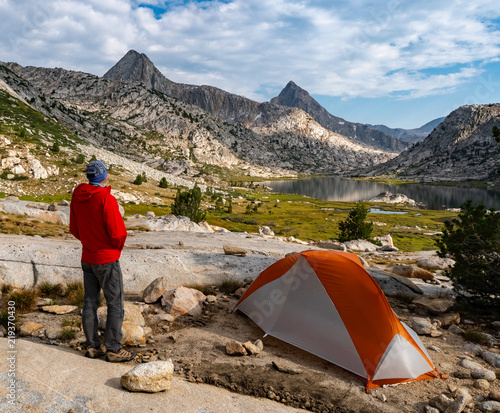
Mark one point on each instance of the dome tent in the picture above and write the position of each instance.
(326, 303)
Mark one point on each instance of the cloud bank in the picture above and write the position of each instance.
(346, 49)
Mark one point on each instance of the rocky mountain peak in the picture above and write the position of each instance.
(294, 96)
(137, 66)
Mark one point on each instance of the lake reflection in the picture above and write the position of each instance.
(340, 189)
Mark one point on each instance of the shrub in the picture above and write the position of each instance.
(55, 147)
(473, 241)
(163, 183)
(25, 299)
(80, 159)
(187, 203)
(138, 180)
(354, 226)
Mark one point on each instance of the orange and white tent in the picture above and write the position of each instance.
(326, 303)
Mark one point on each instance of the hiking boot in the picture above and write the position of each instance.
(94, 352)
(120, 356)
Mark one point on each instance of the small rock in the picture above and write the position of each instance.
(283, 369)
(441, 402)
(264, 230)
(64, 203)
(54, 207)
(150, 377)
(252, 349)
(132, 334)
(495, 395)
(259, 344)
(448, 319)
(471, 365)
(235, 348)
(455, 329)
(181, 243)
(182, 301)
(29, 327)
(463, 398)
(382, 397)
(462, 374)
(53, 333)
(43, 301)
(474, 349)
(59, 309)
(491, 358)
(150, 214)
(3, 331)
(430, 409)
(434, 348)
(229, 250)
(484, 374)
(496, 325)
(155, 290)
(490, 406)
(163, 317)
(211, 298)
(421, 325)
(482, 384)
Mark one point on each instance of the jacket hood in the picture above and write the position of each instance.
(84, 192)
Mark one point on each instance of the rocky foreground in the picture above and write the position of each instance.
(168, 319)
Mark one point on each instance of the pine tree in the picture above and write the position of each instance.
(187, 203)
(354, 227)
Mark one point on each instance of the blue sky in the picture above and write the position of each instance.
(400, 63)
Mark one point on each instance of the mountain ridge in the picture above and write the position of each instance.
(294, 96)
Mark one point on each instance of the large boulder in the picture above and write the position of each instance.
(361, 245)
(132, 315)
(152, 377)
(183, 300)
(410, 271)
(435, 305)
(394, 286)
(331, 245)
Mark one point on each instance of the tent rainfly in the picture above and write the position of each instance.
(326, 303)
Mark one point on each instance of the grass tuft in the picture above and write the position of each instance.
(75, 293)
(230, 286)
(67, 334)
(6, 289)
(50, 290)
(475, 336)
(205, 289)
(25, 299)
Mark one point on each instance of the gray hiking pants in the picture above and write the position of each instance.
(109, 278)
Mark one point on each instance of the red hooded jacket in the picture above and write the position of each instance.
(96, 221)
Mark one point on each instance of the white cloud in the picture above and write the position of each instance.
(346, 49)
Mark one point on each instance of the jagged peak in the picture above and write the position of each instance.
(131, 66)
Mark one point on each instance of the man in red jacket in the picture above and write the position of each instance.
(96, 221)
